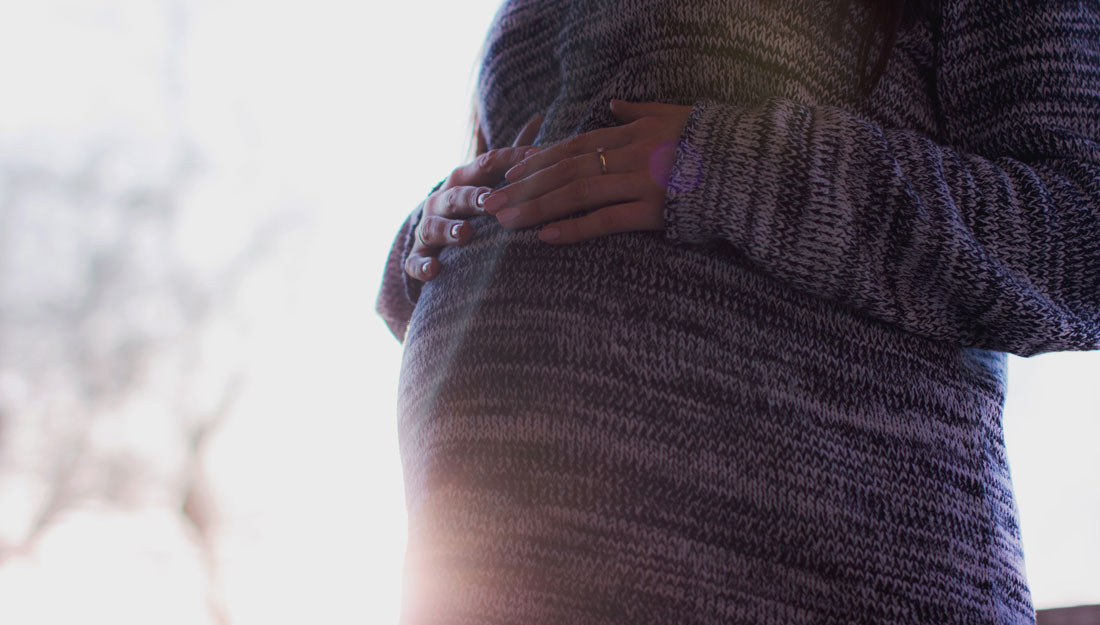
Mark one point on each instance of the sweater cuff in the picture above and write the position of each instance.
(722, 184)
(685, 221)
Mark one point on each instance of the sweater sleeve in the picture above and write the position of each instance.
(989, 240)
(398, 294)
(399, 291)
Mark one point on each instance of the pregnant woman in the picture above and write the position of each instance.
(730, 347)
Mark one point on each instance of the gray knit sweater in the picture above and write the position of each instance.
(785, 407)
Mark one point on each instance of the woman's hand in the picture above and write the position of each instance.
(442, 221)
(626, 188)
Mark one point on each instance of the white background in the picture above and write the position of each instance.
(207, 191)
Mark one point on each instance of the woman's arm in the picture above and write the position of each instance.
(992, 241)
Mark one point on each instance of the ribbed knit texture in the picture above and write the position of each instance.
(786, 407)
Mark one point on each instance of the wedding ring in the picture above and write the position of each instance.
(603, 161)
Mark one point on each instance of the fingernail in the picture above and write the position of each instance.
(531, 150)
(515, 171)
(496, 199)
(549, 234)
(508, 215)
(481, 200)
(425, 266)
(454, 231)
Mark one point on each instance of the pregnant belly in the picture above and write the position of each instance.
(627, 429)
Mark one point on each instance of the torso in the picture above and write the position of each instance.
(629, 430)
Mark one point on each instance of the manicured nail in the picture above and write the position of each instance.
(481, 200)
(549, 234)
(425, 266)
(454, 231)
(507, 215)
(515, 171)
(495, 200)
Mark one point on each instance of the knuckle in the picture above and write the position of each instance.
(438, 204)
(427, 230)
(484, 161)
(439, 231)
(579, 189)
(566, 168)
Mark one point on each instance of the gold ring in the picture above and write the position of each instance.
(603, 161)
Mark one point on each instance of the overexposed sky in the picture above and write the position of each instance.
(331, 120)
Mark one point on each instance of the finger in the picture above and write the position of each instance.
(459, 201)
(422, 267)
(633, 111)
(439, 231)
(581, 194)
(606, 138)
(529, 131)
(629, 217)
(563, 173)
(488, 168)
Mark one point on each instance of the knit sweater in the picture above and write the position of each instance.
(786, 406)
